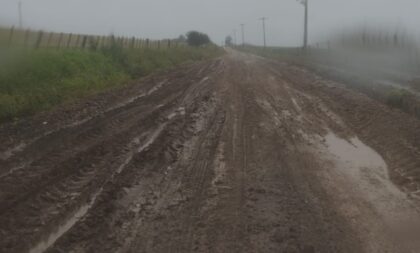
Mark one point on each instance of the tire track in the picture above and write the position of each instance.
(70, 171)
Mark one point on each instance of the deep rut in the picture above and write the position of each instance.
(237, 154)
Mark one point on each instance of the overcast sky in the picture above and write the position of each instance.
(157, 19)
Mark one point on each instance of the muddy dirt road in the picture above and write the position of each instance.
(238, 154)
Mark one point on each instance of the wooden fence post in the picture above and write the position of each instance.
(45, 41)
(77, 41)
(110, 41)
(59, 41)
(25, 43)
(92, 42)
(103, 38)
(69, 40)
(50, 35)
(95, 43)
(39, 39)
(84, 42)
(133, 41)
(12, 31)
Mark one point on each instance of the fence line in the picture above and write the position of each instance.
(12, 37)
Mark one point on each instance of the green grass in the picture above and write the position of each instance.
(272, 52)
(37, 80)
(396, 98)
(290, 54)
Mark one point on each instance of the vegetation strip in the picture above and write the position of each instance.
(37, 80)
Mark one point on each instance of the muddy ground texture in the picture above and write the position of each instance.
(237, 154)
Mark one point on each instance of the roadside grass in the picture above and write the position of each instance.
(291, 54)
(403, 100)
(37, 80)
(396, 98)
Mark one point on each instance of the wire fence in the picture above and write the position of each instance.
(27, 38)
(371, 39)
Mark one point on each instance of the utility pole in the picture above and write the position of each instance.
(243, 34)
(234, 37)
(20, 15)
(263, 19)
(305, 23)
(305, 35)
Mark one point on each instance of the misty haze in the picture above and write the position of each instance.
(209, 126)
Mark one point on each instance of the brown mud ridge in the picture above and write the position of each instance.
(238, 154)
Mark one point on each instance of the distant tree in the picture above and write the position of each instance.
(197, 39)
(182, 38)
(228, 40)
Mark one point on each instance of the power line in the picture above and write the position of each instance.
(263, 19)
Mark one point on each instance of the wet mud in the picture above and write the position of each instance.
(237, 154)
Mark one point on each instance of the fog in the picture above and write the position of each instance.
(158, 19)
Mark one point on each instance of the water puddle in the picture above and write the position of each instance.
(16, 168)
(179, 111)
(368, 170)
(83, 210)
(62, 229)
(356, 154)
(297, 106)
(204, 79)
(10, 152)
(157, 87)
(117, 106)
(219, 167)
(141, 148)
(367, 173)
(131, 100)
(137, 146)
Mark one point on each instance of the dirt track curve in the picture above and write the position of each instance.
(237, 154)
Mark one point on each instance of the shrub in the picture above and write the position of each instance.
(197, 39)
(228, 40)
(396, 98)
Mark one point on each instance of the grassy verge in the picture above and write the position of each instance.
(292, 54)
(361, 81)
(36, 80)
